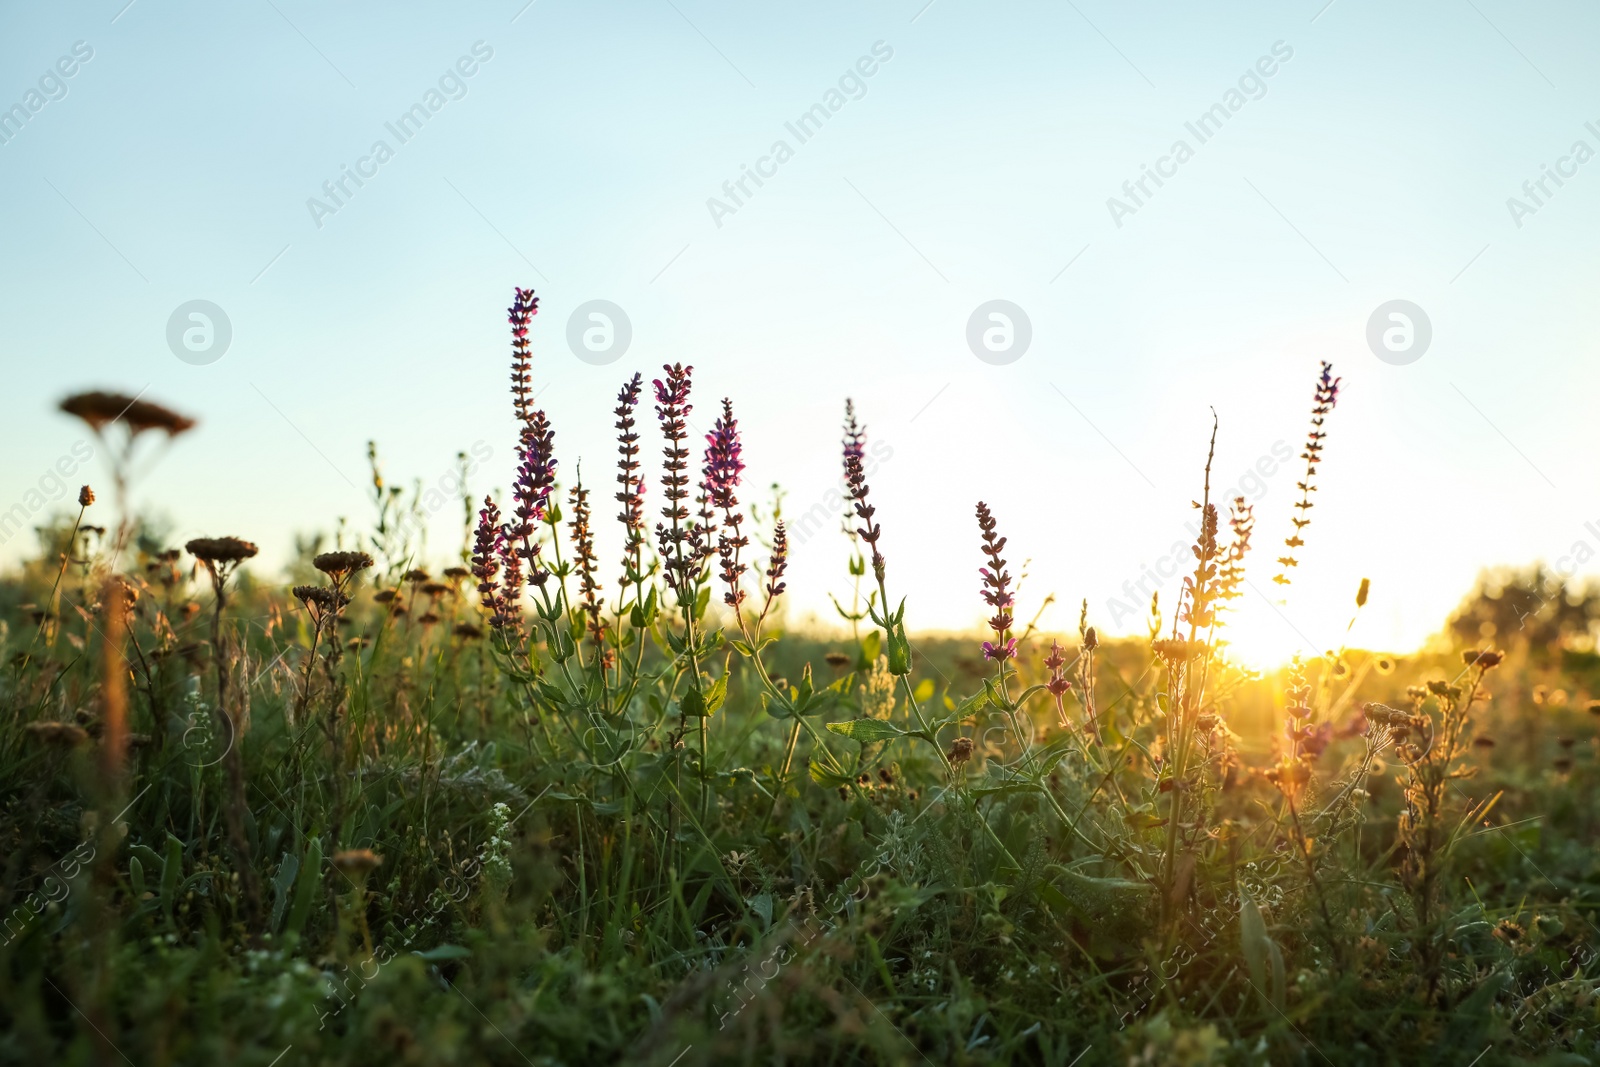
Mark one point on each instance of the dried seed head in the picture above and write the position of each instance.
(467, 631)
(1485, 659)
(837, 660)
(85, 497)
(416, 576)
(960, 751)
(58, 734)
(320, 597)
(220, 549)
(338, 564)
(100, 409)
(1176, 649)
(356, 862)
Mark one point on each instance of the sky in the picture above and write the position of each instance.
(1316, 163)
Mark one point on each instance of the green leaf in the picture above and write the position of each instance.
(281, 886)
(136, 876)
(717, 694)
(171, 871)
(866, 731)
(899, 648)
(1261, 955)
(822, 776)
(305, 891)
(693, 704)
(870, 646)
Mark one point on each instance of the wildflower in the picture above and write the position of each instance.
(995, 592)
(100, 409)
(780, 562)
(487, 552)
(584, 560)
(524, 306)
(536, 477)
(1323, 400)
(678, 547)
(1201, 587)
(416, 576)
(1485, 659)
(722, 469)
(960, 751)
(85, 497)
(877, 697)
(776, 565)
(855, 476)
(1054, 663)
(631, 494)
(1241, 520)
(1508, 931)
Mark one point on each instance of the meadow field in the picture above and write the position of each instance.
(520, 804)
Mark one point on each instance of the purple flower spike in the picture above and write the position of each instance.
(536, 476)
(996, 591)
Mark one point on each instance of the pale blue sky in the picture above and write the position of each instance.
(976, 165)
